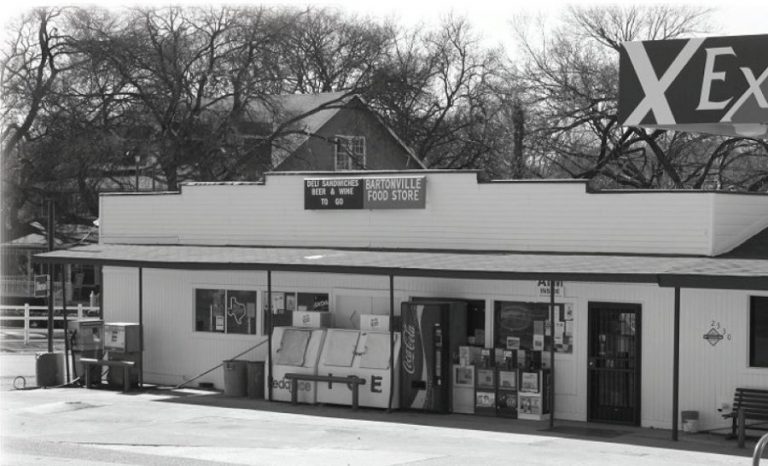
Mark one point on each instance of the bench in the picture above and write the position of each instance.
(126, 365)
(748, 404)
(352, 381)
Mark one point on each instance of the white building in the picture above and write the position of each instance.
(632, 260)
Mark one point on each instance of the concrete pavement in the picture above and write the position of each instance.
(164, 426)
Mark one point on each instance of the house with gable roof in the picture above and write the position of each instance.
(333, 131)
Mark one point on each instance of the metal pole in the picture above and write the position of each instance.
(269, 334)
(64, 312)
(391, 341)
(100, 271)
(51, 268)
(141, 327)
(676, 366)
(137, 159)
(552, 354)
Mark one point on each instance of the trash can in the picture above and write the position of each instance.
(47, 369)
(690, 421)
(234, 377)
(255, 385)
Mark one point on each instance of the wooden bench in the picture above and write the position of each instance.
(749, 404)
(352, 381)
(126, 365)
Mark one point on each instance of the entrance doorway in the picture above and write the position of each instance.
(613, 373)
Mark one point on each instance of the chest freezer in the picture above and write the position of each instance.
(374, 349)
(295, 350)
(362, 354)
(339, 357)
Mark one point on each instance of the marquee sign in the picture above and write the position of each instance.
(715, 85)
(388, 192)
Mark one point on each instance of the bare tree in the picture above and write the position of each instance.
(326, 51)
(571, 88)
(437, 93)
(37, 55)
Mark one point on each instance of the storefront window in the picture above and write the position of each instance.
(225, 311)
(284, 303)
(526, 326)
(758, 332)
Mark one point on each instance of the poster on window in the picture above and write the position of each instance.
(526, 325)
(225, 311)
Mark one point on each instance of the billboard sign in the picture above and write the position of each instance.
(716, 85)
(379, 192)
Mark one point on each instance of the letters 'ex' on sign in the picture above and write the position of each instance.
(716, 85)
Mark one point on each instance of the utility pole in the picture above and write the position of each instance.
(137, 159)
(51, 268)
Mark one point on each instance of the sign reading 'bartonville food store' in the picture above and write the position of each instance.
(388, 192)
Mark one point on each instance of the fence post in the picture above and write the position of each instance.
(26, 323)
(79, 311)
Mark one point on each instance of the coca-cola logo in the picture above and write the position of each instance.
(409, 342)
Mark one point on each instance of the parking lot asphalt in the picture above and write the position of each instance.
(160, 425)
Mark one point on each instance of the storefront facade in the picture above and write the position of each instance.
(618, 259)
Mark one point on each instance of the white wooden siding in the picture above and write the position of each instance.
(459, 214)
(175, 352)
(710, 373)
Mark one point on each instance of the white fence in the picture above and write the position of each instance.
(36, 314)
(21, 285)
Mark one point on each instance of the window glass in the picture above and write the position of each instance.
(758, 332)
(225, 311)
(526, 326)
(350, 152)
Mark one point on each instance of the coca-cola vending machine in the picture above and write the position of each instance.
(432, 332)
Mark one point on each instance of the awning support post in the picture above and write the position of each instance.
(391, 341)
(64, 313)
(269, 334)
(141, 327)
(552, 353)
(676, 367)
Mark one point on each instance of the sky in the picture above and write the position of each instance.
(490, 19)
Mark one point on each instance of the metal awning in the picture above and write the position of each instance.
(669, 271)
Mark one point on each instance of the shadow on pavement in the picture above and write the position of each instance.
(658, 438)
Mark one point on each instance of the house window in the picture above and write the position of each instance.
(350, 153)
(758, 332)
(225, 311)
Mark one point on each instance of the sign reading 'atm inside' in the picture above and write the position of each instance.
(393, 192)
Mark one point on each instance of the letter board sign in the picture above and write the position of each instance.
(380, 192)
(715, 85)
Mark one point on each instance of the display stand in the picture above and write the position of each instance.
(506, 377)
(485, 385)
(533, 394)
(463, 384)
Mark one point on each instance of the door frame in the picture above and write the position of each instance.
(619, 306)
